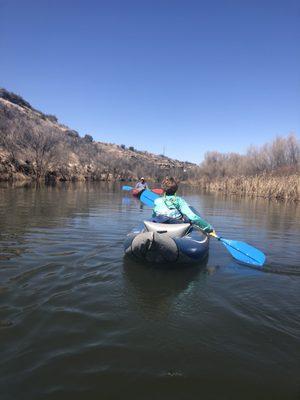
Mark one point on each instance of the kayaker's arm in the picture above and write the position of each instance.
(194, 218)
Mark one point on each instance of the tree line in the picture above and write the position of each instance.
(280, 157)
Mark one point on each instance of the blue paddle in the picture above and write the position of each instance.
(241, 251)
(148, 197)
(127, 188)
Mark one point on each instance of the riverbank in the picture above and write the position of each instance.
(36, 147)
(279, 188)
(283, 188)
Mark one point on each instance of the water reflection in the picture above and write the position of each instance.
(272, 227)
(28, 207)
(274, 215)
(156, 290)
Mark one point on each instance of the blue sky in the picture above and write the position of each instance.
(184, 76)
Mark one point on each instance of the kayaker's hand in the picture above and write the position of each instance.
(213, 233)
(209, 229)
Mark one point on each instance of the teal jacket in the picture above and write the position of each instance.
(176, 207)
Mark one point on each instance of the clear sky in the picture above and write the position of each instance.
(185, 76)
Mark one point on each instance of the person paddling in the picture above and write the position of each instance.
(142, 184)
(171, 208)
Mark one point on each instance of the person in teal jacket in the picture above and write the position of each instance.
(174, 208)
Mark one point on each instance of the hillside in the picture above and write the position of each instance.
(35, 146)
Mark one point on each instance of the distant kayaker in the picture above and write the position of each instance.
(142, 184)
(170, 207)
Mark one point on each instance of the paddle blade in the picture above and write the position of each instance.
(127, 188)
(158, 191)
(148, 197)
(244, 253)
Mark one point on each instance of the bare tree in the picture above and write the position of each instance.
(293, 150)
(42, 150)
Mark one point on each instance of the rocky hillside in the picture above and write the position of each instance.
(35, 146)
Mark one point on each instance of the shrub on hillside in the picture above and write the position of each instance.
(51, 118)
(14, 98)
(72, 134)
(88, 138)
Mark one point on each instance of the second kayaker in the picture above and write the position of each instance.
(141, 184)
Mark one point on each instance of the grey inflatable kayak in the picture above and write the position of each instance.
(167, 243)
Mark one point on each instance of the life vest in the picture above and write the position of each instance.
(168, 206)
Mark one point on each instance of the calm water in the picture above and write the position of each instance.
(78, 321)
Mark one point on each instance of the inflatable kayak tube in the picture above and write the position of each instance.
(167, 243)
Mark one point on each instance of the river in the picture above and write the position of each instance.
(77, 320)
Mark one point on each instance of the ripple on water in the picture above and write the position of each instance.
(76, 318)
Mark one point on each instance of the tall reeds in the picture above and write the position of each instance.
(272, 171)
(285, 188)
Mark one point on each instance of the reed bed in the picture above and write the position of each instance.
(286, 188)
